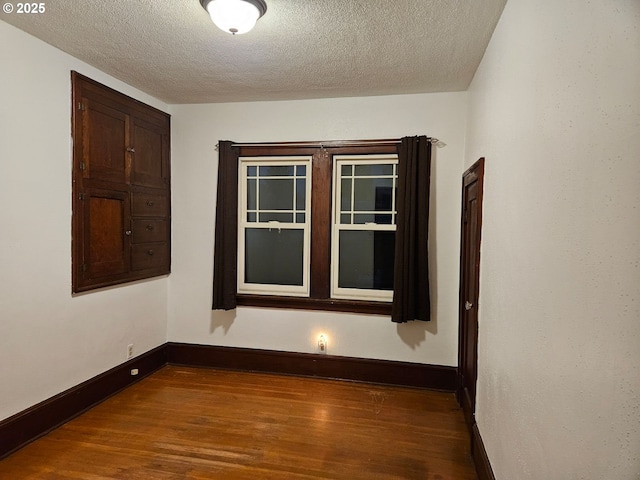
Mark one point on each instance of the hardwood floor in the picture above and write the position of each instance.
(188, 423)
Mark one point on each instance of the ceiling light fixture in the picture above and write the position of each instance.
(235, 16)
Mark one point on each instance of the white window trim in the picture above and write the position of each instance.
(355, 293)
(268, 289)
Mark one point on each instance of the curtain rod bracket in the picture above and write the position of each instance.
(437, 143)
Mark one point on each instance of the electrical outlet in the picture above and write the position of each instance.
(129, 351)
(134, 371)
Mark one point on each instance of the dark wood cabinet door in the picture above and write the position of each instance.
(106, 234)
(105, 136)
(150, 153)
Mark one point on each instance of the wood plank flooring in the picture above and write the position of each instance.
(188, 423)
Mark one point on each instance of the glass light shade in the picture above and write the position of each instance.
(234, 16)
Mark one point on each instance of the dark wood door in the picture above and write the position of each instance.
(105, 136)
(150, 151)
(106, 234)
(471, 222)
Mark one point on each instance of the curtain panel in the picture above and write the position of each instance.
(411, 299)
(225, 257)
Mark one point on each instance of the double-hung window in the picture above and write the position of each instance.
(274, 225)
(363, 227)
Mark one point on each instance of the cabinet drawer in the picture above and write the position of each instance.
(149, 205)
(149, 230)
(149, 255)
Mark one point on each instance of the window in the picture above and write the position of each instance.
(315, 226)
(364, 224)
(274, 225)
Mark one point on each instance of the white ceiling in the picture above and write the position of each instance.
(299, 49)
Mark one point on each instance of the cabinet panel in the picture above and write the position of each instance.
(150, 154)
(105, 136)
(106, 249)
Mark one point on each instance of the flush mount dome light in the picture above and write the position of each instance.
(235, 16)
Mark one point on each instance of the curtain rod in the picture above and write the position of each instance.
(334, 143)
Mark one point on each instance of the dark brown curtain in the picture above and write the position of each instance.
(411, 268)
(225, 255)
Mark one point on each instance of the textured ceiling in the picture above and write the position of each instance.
(299, 49)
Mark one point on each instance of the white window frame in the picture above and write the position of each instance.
(268, 289)
(357, 293)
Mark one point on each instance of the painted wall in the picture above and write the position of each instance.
(555, 109)
(50, 340)
(197, 129)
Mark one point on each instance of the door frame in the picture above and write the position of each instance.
(473, 174)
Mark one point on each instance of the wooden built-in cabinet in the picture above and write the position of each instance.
(121, 187)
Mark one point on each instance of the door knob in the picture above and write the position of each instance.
(468, 305)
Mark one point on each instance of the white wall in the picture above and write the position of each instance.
(555, 109)
(196, 130)
(49, 340)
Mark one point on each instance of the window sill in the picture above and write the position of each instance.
(325, 304)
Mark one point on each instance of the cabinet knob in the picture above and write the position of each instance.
(128, 233)
(150, 252)
(131, 150)
(150, 227)
(150, 203)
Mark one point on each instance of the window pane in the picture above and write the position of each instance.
(345, 218)
(345, 194)
(251, 194)
(375, 169)
(373, 194)
(301, 170)
(276, 171)
(301, 193)
(276, 194)
(251, 171)
(347, 170)
(300, 217)
(383, 219)
(276, 217)
(362, 218)
(274, 257)
(379, 218)
(366, 259)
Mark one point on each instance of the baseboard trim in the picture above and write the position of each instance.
(38, 420)
(313, 365)
(480, 457)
